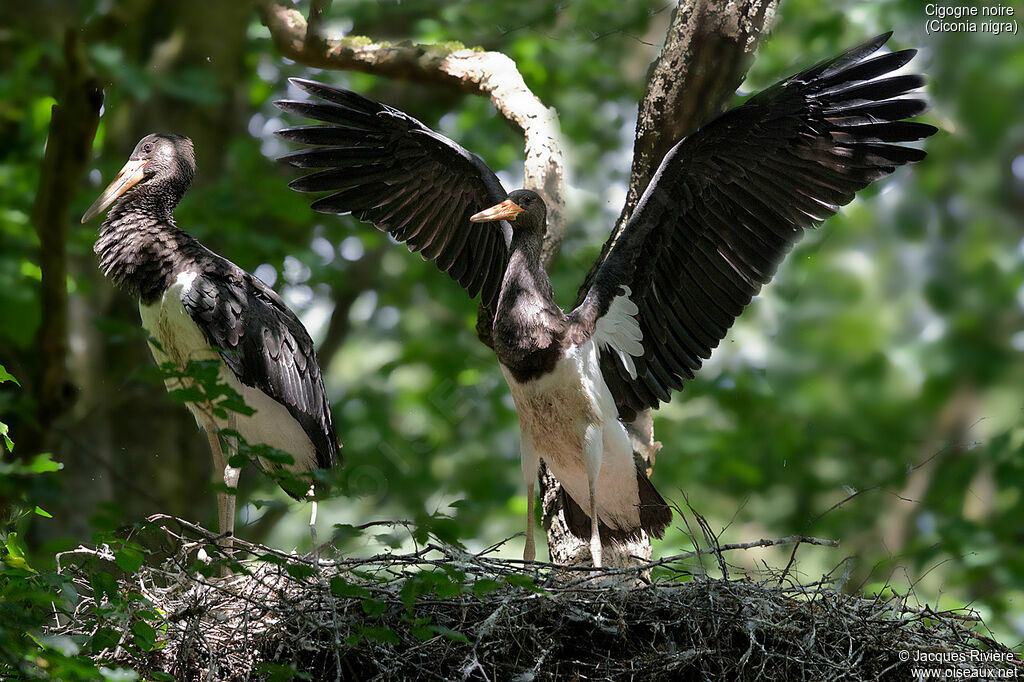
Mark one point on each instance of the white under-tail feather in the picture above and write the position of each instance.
(618, 329)
(555, 413)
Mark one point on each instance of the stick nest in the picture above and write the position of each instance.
(442, 613)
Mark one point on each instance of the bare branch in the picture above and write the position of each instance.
(451, 65)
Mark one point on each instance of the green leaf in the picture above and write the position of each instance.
(6, 376)
(422, 629)
(145, 635)
(7, 440)
(342, 588)
(103, 583)
(414, 587)
(43, 464)
(15, 547)
(300, 571)
(235, 403)
(453, 635)
(129, 560)
(105, 638)
(382, 634)
(450, 584)
(39, 511)
(345, 531)
(484, 586)
(277, 672)
(187, 395)
(238, 460)
(422, 632)
(525, 582)
(374, 607)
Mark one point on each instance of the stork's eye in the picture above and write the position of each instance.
(148, 147)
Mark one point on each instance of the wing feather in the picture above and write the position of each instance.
(265, 346)
(729, 201)
(387, 168)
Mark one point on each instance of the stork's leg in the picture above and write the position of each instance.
(530, 464)
(225, 500)
(311, 494)
(593, 452)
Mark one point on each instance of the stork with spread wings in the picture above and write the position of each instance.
(724, 207)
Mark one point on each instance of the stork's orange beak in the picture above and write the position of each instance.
(506, 210)
(129, 176)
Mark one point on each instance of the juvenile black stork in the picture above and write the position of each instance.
(200, 306)
(724, 207)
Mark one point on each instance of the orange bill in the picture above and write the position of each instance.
(506, 210)
(129, 176)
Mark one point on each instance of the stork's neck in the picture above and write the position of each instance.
(141, 249)
(529, 328)
(526, 282)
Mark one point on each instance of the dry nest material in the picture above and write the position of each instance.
(441, 613)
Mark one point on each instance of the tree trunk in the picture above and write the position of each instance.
(73, 123)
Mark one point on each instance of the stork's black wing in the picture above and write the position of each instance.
(730, 200)
(265, 345)
(388, 169)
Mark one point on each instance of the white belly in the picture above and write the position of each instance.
(181, 342)
(554, 413)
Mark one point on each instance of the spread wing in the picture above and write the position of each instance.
(729, 201)
(264, 344)
(386, 168)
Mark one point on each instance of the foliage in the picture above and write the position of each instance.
(871, 394)
(31, 599)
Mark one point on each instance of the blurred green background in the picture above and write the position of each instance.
(882, 369)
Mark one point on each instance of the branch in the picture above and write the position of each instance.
(440, 612)
(451, 65)
(708, 48)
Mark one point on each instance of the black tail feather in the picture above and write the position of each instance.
(655, 515)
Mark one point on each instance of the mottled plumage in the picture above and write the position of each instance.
(198, 306)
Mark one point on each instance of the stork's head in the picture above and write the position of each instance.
(524, 210)
(159, 170)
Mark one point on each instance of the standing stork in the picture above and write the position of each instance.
(724, 207)
(197, 305)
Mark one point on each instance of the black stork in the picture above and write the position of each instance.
(199, 306)
(724, 207)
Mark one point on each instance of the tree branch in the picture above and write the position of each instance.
(451, 65)
(708, 48)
